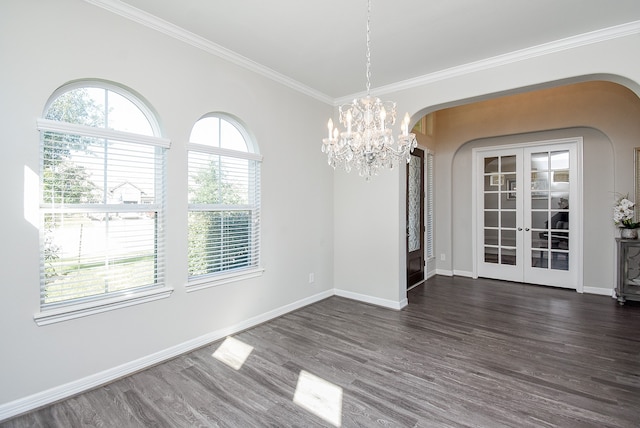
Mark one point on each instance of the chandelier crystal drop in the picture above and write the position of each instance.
(366, 142)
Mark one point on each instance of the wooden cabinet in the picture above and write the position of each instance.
(628, 286)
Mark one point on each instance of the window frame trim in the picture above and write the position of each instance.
(45, 125)
(203, 148)
(79, 310)
(216, 279)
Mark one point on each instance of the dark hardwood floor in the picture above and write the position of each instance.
(464, 353)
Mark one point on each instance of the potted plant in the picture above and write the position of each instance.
(624, 218)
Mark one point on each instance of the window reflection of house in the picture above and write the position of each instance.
(128, 193)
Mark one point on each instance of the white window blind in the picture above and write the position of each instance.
(429, 203)
(224, 204)
(101, 202)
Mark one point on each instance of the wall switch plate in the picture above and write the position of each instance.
(312, 278)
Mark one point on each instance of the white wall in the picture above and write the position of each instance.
(43, 45)
(369, 238)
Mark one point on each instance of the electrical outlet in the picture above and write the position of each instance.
(443, 257)
(312, 278)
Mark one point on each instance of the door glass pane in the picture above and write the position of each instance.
(509, 182)
(560, 176)
(492, 183)
(540, 161)
(539, 259)
(560, 240)
(560, 200)
(491, 237)
(560, 160)
(491, 219)
(540, 239)
(539, 220)
(539, 182)
(508, 164)
(508, 238)
(540, 201)
(508, 256)
(491, 201)
(559, 261)
(496, 181)
(490, 164)
(559, 219)
(508, 219)
(508, 201)
(490, 255)
(413, 221)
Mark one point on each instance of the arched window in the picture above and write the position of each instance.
(224, 202)
(102, 170)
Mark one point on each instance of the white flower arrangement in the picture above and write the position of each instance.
(623, 213)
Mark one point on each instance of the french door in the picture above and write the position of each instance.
(528, 205)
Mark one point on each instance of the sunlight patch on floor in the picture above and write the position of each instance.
(233, 352)
(322, 398)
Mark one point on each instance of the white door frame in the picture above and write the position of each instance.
(578, 243)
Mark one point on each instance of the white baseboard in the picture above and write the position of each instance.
(26, 404)
(463, 273)
(390, 304)
(601, 291)
(444, 272)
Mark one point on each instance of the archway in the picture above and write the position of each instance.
(583, 107)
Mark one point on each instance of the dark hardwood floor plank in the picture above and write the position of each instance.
(463, 353)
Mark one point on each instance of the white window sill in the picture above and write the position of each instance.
(200, 282)
(70, 312)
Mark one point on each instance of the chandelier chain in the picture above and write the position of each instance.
(368, 47)
(366, 142)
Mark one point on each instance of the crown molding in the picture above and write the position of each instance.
(172, 30)
(572, 42)
(179, 33)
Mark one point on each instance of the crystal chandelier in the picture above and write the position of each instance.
(366, 141)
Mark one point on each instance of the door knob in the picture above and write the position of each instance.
(526, 229)
(519, 229)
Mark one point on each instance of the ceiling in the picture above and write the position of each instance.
(321, 45)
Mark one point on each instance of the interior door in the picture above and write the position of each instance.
(415, 218)
(526, 198)
(549, 205)
(500, 215)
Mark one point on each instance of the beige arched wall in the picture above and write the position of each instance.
(605, 114)
(597, 156)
